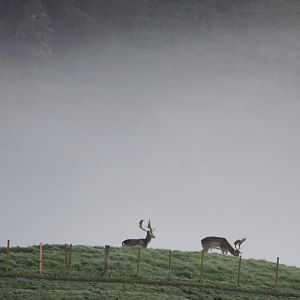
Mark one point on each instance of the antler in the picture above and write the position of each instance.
(149, 226)
(141, 225)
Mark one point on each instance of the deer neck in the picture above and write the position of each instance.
(231, 250)
(148, 238)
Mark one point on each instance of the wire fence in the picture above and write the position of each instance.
(65, 261)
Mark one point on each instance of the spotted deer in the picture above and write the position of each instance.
(239, 243)
(143, 243)
(213, 242)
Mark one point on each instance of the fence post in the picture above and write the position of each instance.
(138, 261)
(66, 256)
(70, 257)
(277, 267)
(106, 260)
(201, 265)
(41, 257)
(239, 271)
(170, 263)
(7, 255)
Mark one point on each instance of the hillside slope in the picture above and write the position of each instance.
(85, 280)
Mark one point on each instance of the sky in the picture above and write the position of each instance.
(201, 137)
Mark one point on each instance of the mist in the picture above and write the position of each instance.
(195, 128)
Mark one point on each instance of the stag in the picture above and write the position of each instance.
(143, 243)
(213, 242)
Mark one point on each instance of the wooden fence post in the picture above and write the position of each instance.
(239, 271)
(201, 265)
(7, 255)
(106, 260)
(170, 263)
(66, 256)
(70, 257)
(138, 261)
(277, 267)
(41, 257)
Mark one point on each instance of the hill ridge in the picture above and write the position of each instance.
(219, 275)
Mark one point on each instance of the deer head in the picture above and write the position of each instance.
(148, 229)
(237, 252)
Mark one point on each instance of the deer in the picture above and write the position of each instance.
(213, 242)
(239, 243)
(143, 243)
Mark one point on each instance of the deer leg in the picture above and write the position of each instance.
(224, 251)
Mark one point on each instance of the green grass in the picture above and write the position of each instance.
(85, 278)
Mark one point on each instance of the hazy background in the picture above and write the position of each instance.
(186, 112)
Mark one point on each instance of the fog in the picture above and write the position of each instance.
(200, 134)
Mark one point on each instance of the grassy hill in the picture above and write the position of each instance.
(84, 278)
